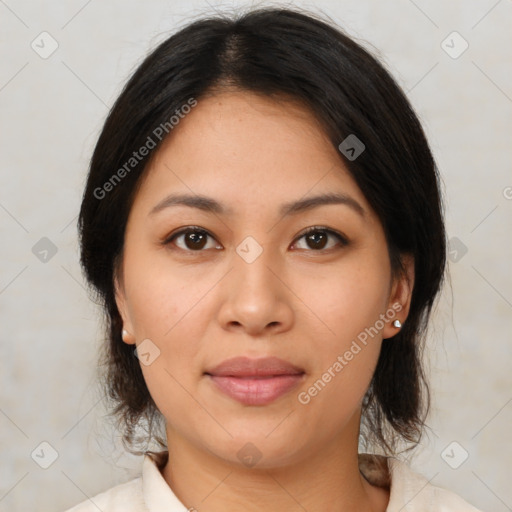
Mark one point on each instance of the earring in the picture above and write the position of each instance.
(124, 334)
(397, 324)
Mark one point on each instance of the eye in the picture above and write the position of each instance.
(317, 237)
(193, 239)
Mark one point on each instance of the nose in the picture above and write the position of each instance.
(256, 298)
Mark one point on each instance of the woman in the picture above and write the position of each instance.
(263, 224)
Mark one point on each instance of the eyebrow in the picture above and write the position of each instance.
(209, 204)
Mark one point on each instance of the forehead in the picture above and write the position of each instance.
(246, 149)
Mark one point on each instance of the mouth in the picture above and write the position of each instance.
(255, 381)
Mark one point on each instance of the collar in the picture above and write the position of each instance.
(156, 490)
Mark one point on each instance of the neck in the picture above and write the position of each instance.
(327, 479)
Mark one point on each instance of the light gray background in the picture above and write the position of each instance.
(51, 112)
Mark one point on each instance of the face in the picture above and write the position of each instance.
(257, 269)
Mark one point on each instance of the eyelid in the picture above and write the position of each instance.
(182, 231)
(341, 237)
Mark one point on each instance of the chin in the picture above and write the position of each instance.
(258, 448)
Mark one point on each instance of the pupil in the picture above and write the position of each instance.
(316, 239)
(197, 240)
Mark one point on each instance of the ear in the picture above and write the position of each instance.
(400, 297)
(120, 296)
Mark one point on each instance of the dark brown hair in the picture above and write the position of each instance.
(276, 52)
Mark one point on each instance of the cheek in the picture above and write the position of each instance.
(346, 299)
(349, 306)
(169, 308)
(162, 297)
(170, 313)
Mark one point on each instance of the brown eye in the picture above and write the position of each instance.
(195, 240)
(317, 238)
(190, 239)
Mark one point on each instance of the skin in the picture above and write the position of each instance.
(298, 301)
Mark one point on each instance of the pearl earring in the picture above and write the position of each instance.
(397, 324)
(124, 334)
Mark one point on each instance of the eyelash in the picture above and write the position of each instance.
(313, 229)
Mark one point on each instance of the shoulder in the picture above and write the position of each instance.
(409, 490)
(420, 494)
(127, 497)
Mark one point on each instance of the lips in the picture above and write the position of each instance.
(247, 367)
(255, 381)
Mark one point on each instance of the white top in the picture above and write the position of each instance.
(409, 491)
